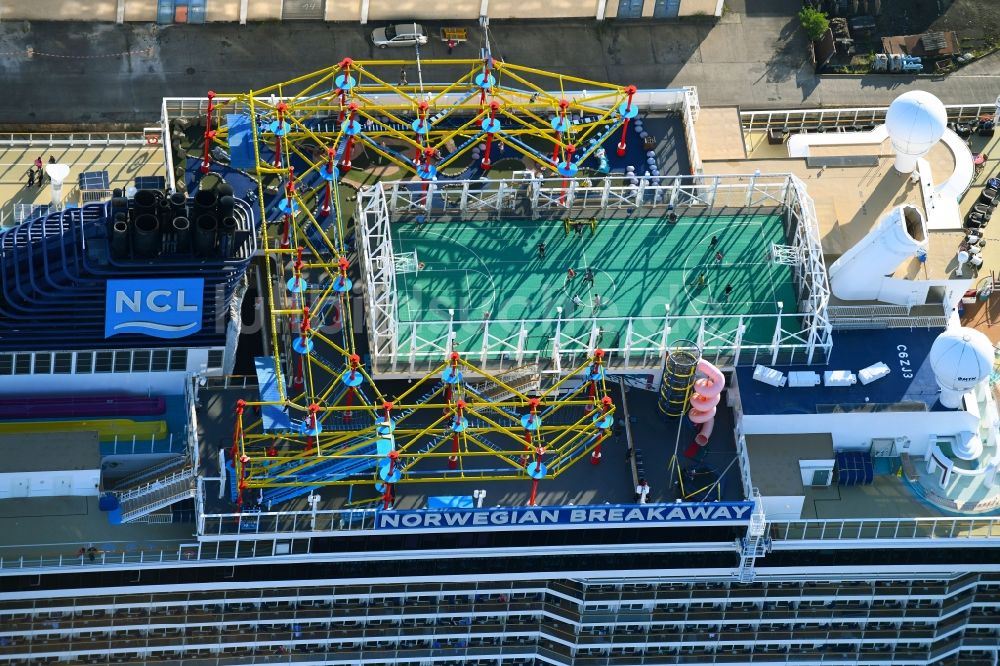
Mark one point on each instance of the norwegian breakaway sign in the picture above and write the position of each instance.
(169, 308)
(651, 515)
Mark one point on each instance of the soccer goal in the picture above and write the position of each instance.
(406, 262)
(784, 254)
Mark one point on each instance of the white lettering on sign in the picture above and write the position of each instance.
(156, 301)
(672, 513)
(904, 361)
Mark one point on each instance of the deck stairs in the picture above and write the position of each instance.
(161, 468)
(157, 494)
(756, 543)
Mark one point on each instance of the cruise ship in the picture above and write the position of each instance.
(507, 368)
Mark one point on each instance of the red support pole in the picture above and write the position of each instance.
(209, 132)
(494, 107)
(348, 401)
(486, 78)
(290, 195)
(345, 162)
(328, 197)
(595, 457)
(282, 107)
(298, 266)
(563, 105)
(305, 327)
(421, 118)
(630, 91)
(453, 458)
(238, 427)
(313, 421)
(387, 496)
(297, 379)
(345, 70)
(539, 452)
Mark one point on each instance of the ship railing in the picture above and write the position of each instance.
(287, 522)
(755, 124)
(233, 536)
(794, 534)
(231, 382)
(73, 139)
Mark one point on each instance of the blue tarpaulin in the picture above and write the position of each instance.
(449, 502)
(240, 141)
(274, 417)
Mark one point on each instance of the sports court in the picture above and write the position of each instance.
(489, 269)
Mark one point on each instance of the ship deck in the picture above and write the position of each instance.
(774, 465)
(909, 387)
(658, 444)
(850, 200)
(123, 164)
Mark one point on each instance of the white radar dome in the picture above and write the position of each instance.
(960, 358)
(915, 121)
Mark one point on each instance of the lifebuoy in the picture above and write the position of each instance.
(152, 139)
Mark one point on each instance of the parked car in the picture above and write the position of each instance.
(401, 34)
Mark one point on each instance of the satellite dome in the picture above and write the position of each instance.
(960, 358)
(915, 121)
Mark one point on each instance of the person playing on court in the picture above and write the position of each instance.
(588, 277)
(728, 290)
(714, 241)
(577, 301)
(597, 302)
(541, 250)
(718, 257)
(570, 274)
(701, 280)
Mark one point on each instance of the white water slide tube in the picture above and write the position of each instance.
(860, 274)
(799, 144)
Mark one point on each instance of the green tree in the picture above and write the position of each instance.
(814, 22)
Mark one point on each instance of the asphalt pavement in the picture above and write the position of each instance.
(754, 56)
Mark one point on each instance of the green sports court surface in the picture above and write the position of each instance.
(493, 270)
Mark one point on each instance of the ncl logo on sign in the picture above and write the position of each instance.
(159, 308)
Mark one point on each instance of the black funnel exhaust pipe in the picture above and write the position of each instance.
(145, 203)
(182, 234)
(204, 236)
(146, 236)
(227, 237)
(119, 237)
(205, 201)
(225, 207)
(178, 205)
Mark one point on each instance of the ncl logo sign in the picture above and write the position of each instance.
(160, 308)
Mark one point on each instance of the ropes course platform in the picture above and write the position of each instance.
(473, 303)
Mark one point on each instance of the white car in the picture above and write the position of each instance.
(401, 34)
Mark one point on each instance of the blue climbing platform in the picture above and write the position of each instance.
(275, 419)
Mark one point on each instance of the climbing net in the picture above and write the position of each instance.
(309, 144)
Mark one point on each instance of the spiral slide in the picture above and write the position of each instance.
(704, 401)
